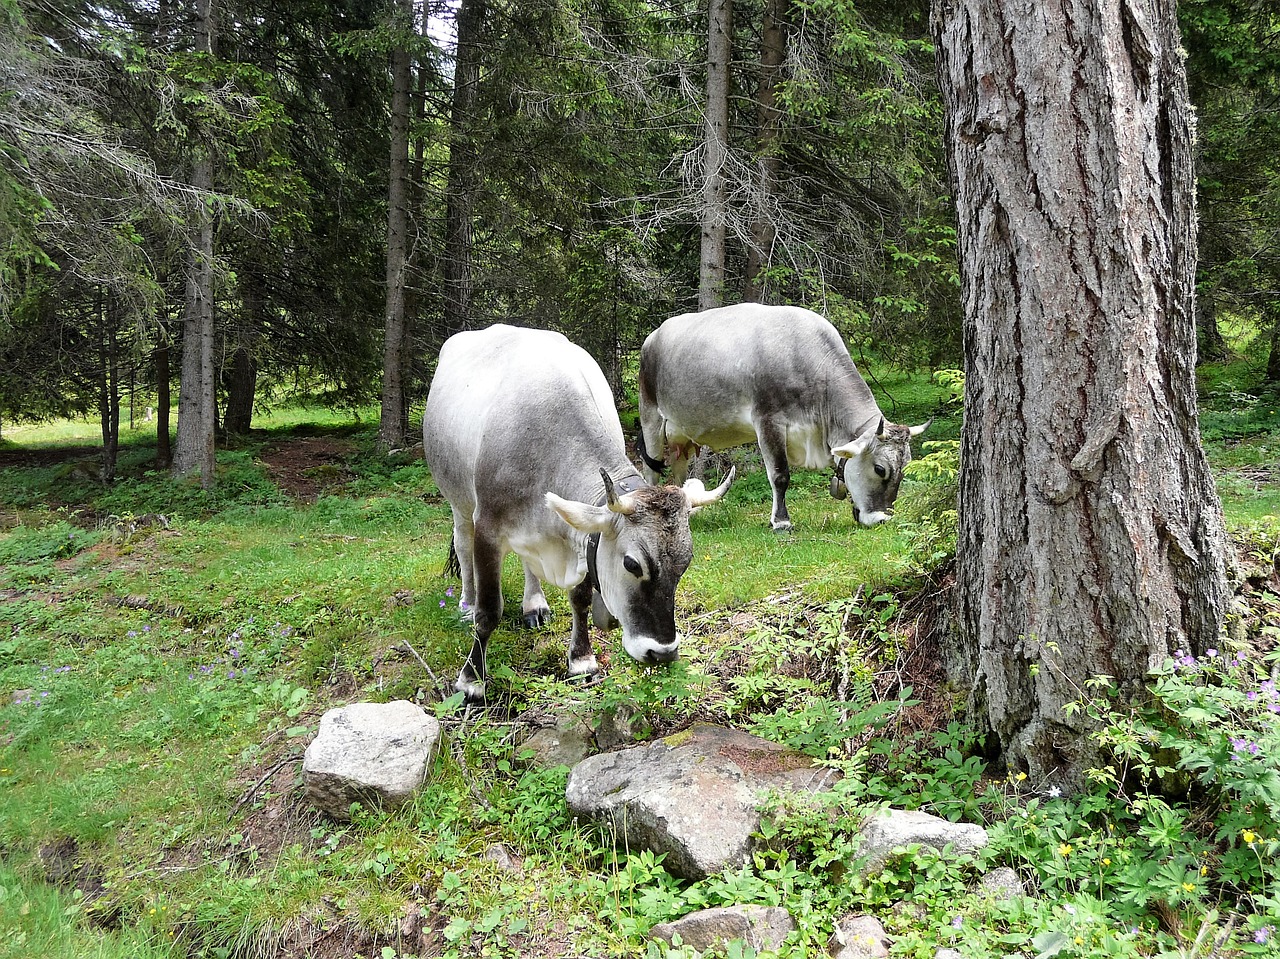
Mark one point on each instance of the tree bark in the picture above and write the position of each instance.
(197, 414)
(716, 151)
(463, 162)
(1091, 537)
(391, 432)
(773, 52)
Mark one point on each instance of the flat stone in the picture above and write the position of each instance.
(375, 754)
(761, 927)
(892, 829)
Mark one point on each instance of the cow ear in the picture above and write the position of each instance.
(583, 517)
(860, 445)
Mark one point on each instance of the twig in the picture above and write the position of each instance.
(440, 687)
(252, 790)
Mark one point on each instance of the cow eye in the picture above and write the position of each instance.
(631, 566)
(880, 471)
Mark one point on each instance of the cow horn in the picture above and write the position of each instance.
(917, 430)
(880, 434)
(700, 497)
(618, 504)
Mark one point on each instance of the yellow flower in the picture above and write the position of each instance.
(1064, 849)
(1106, 860)
(1249, 836)
(1020, 777)
(1204, 870)
(1079, 940)
(1188, 887)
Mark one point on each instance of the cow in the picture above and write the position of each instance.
(523, 439)
(779, 375)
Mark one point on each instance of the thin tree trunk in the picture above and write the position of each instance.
(773, 53)
(1273, 360)
(462, 185)
(237, 417)
(108, 389)
(164, 455)
(716, 151)
(197, 412)
(1091, 536)
(391, 432)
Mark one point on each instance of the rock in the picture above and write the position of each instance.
(372, 753)
(1002, 884)
(620, 726)
(502, 857)
(761, 927)
(946, 953)
(692, 796)
(859, 937)
(566, 742)
(892, 829)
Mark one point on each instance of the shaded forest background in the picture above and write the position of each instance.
(266, 200)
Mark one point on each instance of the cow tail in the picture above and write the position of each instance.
(657, 466)
(452, 567)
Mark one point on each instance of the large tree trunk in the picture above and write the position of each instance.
(1091, 537)
(1273, 360)
(773, 52)
(463, 161)
(715, 153)
(391, 432)
(193, 453)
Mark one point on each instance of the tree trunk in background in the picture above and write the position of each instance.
(1273, 360)
(237, 417)
(773, 52)
(164, 455)
(714, 213)
(462, 185)
(391, 434)
(196, 410)
(108, 387)
(1091, 537)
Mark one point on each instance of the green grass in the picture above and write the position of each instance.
(149, 681)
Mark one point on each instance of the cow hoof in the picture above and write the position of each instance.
(585, 668)
(783, 527)
(472, 690)
(535, 618)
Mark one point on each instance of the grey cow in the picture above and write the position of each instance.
(523, 439)
(778, 375)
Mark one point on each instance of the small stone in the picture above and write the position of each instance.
(859, 937)
(761, 927)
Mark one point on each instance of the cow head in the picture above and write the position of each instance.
(872, 468)
(644, 548)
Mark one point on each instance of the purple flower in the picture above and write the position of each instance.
(442, 604)
(449, 592)
(957, 922)
(1263, 934)
(132, 633)
(235, 654)
(147, 628)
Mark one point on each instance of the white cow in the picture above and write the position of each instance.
(778, 375)
(523, 440)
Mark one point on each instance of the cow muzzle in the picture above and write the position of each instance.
(651, 651)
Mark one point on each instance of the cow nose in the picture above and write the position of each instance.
(664, 654)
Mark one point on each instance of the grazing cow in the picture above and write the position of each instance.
(523, 439)
(779, 375)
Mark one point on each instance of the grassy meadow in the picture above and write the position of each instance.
(159, 680)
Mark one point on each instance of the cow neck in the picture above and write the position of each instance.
(627, 484)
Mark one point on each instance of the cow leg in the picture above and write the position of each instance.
(681, 454)
(535, 608)
(582, 658)
(464, 534)
(772, 437)
(487, 565)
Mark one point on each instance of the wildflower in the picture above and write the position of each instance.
(1249, 836)
(449, 592)
(146, 628)
(1211, 653)
(1064, 850)
(1054, 792)
(1106, 860)
(957, 922)
(442, 604)
(1020, 777)
(1264, 934)
(132, 634)
(1189, 887)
